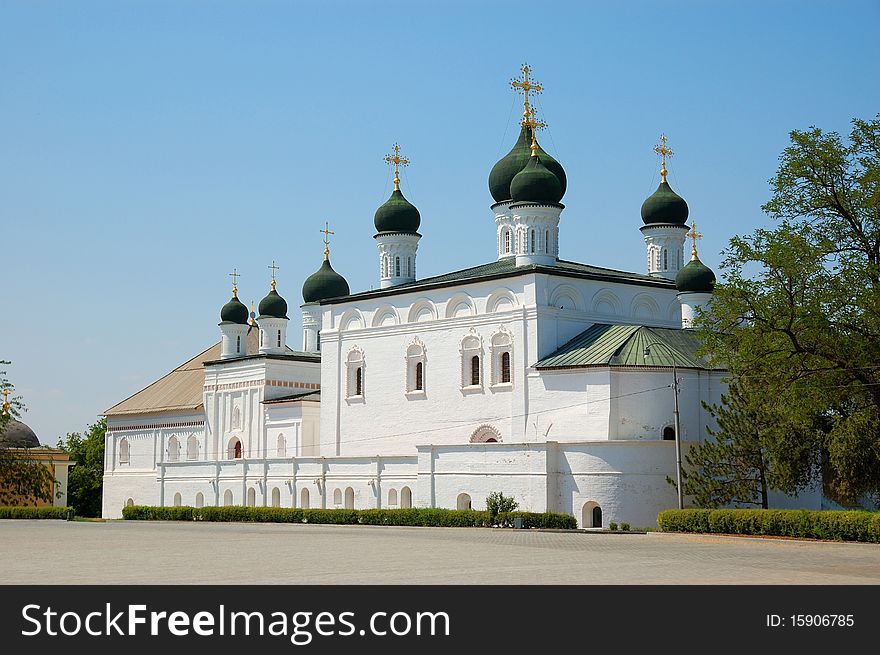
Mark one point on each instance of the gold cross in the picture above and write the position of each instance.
(535, 124)
(526, 86)
(234, 275)
(327, 232)
(664, 152)
(274, 268)
(694, 235)
(397, 161)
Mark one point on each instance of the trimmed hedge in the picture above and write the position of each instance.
(825, 524)
(416, 516)
(33, 512)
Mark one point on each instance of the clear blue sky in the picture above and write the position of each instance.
(147, 148)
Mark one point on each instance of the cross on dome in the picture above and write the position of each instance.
(694, 235)
(274, 268)
(327, 232)
(397, 161)
(235, 275)
(664, 152)
(526, 86)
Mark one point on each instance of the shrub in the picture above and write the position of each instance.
(497, 503)
(416, 516)
(26, 512)
(612, 526)
(801, 523)
(624, 527)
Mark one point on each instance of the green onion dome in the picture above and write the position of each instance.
(664, 206)
(696, 277)
(513, 162)
(396, 215)
(535, 183)
(324, 283)
(273, 305)
(234, 312)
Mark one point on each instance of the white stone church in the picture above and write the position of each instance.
(546, 379)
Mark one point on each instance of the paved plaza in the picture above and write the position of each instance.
(120, 552)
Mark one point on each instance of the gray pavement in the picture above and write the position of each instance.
(119, 552)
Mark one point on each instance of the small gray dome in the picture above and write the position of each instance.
(16, 434)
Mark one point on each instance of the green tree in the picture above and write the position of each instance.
(798, 313)
(84, 485)
(497, 503)
(23, 479)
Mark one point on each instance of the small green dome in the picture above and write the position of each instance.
(535, 183)
(513, 162)
(696, 277)
(234, 312)
(397, 215)
(324, 283)
(664, 206)
(273, 306)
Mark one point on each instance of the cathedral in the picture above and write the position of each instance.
(570, 387)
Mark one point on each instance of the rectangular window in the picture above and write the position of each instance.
(397, 266)
(419, 377)
(505, 367)
(475, 370)
(279, 338)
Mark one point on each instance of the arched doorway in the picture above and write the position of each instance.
(669, 433)
(304, 499)
(129, 502)
(227, 497)
(233, 451)
(591, 515)
(200, 499)
(405, 498)
(177, 500)
(463, 501)
(251, 497)
(276, 497)
(349, 498)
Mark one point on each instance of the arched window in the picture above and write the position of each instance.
(233, 450)
(200, 499)
(238, 344)
(471, 352)
(397, 266)
(506, 241)
(409, 267)
(173, 449)
(486, 434)
(501, 344)
(355, 375)
(236, 417)
(349, 498)
(304, 499)
(129, 502)
(546, 241)
(392, 496)
(124, 452)
(669, 433)
(177, 500)
(415, 366)
(337, 497)
(463, 501)
(665, 259)
(405, 498)
(532, 241)
(251, 497)
(281, 450)
(276, 497)
(192, 447)
(227, 497)
(279, 338)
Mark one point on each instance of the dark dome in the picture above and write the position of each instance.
(16, 434)
(273, 306)
(535, 183)
(664, 206)
(397, 215)
(324, 283)
(234, 312)
(513, 162)
(696, 277)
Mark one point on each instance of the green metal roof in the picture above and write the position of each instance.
(624, 345)
(507, 268)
